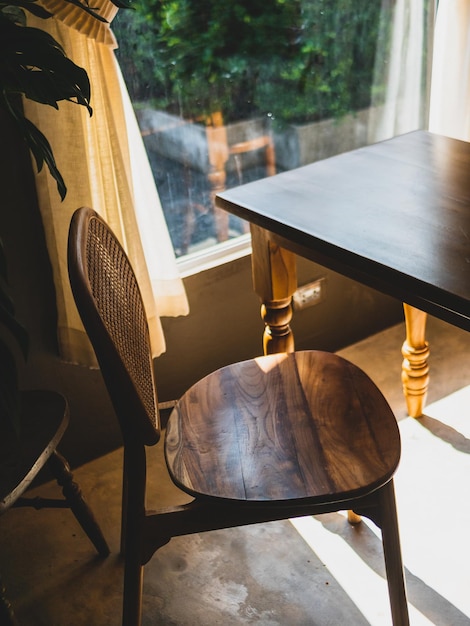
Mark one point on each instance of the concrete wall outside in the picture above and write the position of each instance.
(223, 326)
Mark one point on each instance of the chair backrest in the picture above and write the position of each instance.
(110, 304)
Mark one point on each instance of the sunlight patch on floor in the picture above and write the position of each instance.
(352, 573)
(432, 487)
(434, 515)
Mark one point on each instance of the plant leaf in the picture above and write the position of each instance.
(3, 263)
(7, 309)
(28, 5)
(94, 11)
(9, 396)
(88, 9)
(37, 143)
(33, 63)
(8, 319)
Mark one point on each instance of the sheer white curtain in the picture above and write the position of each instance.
(450, 86)
(405, 68)
(104, 164)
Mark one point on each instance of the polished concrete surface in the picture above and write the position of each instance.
(312, 571)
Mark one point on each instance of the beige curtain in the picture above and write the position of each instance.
(450, 83)
(104, 164)
(405, 70)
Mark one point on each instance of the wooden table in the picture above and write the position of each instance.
(394, 216)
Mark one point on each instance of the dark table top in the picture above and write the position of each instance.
(394, 215)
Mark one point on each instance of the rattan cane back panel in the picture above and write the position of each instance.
(118, 299)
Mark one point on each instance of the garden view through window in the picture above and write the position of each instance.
(229, 92)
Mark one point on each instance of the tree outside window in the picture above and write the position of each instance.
(280, 62)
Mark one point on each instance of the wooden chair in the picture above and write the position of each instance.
(266, 439)
(23, 453)
(219, 152)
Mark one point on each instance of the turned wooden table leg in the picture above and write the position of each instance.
(274, 280)
(354, 518)
(415, 368)
(277, 336)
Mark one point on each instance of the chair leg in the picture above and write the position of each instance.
(133, 584)
(73, 495)
(124, 505)
(392, 554)
(134, 518)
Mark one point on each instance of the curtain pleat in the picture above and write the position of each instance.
(405, 69)
(450, 86)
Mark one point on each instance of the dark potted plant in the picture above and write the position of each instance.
(34, 65)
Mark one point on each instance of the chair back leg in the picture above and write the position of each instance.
(392, 554)
(133, 583)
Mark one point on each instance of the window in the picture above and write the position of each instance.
(226, 93)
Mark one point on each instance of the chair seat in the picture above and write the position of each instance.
(43, 421)
(278, 428)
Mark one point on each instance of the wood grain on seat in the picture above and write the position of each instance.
(283, 427)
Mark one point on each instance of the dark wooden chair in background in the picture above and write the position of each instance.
(270, 438)
(24, 452)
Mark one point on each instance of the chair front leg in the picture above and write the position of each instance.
(73, 495)
(133, 585)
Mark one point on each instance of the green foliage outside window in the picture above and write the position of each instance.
(297, 60)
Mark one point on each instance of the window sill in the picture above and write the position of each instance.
(218, 254)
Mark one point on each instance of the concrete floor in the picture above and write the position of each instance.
(314, 571)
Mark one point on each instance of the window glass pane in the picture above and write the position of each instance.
(228, 92)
